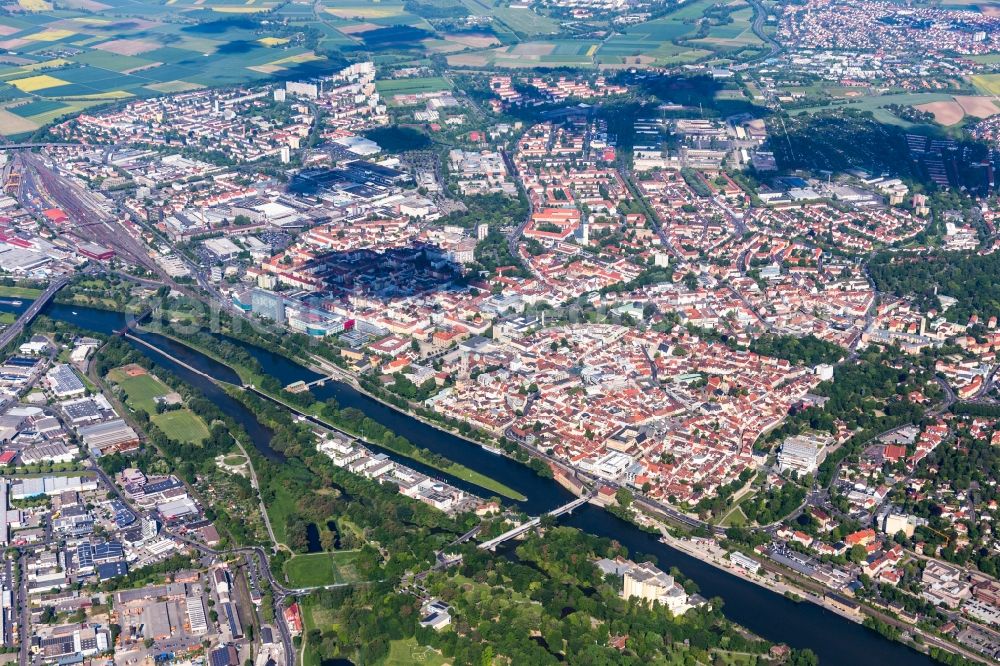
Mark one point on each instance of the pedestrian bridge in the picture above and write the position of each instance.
(529, 525)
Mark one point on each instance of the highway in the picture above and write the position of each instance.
(15, 329)
(759, 16)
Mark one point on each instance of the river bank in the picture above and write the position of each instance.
(251, 378)
(792, 594)
(451, 467)
(763, 612)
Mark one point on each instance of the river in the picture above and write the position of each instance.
(802, 625)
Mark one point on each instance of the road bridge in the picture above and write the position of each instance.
(15, 329)
(22, 146)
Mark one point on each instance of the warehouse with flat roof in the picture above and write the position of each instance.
(109, 437)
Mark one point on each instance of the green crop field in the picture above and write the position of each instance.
(56, 61)
(653, 41)
(315, 569)
(412, 86)
(36, 108)
(877, 103)
(524, 21)
(988, 83)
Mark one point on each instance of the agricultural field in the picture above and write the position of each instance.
(733, 35)
(953, 111)
(314, 569)
(652, 43)
(523, 22)
(877, 103)
(350, 24)
(987, 83)
(987, 59)
(390, 87)
(63, 61)
(59, 59)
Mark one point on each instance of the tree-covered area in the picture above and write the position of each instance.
(695, 182)
(396, 536)
(869, 397)
(495, 209)
(973, 279)
(840, 140)
(150, 574)
(950, 658)
(722, 500)
(493, 253)
(968, 465)
(880, 381)
(398, 139)
(311, 490)
(436, 10)
(221, 345)
(544, 603)
(190, 461)
(808, 350)
(649, 275)
(773, 505)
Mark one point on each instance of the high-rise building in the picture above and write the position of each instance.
(268, 305)
(149, 528)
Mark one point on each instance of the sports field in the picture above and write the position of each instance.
(141, 388)
(141, 391)
(181, 425)
(315, 569)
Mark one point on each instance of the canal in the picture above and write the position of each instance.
(802, 625)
